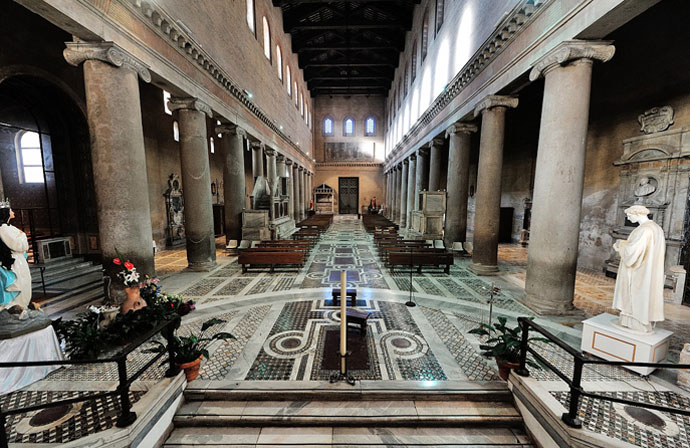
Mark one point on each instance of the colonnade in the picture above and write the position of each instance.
(111, 78)
(559, 176)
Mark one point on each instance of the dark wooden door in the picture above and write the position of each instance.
(348, 187)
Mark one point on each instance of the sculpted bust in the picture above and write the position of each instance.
(639, 290)
(644, 187)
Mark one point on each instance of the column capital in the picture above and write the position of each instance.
(270, 152)
(423, 152)
(257, 146)
(571, 50)
(189, 103)
(436, 141)
(113, 54)
(406, 161)
(288, 162)
(460, 127)
(491, 101)
(301, 168)
(230, 129)
(412, 157)
(280, 158)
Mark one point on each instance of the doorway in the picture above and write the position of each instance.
(348, 188)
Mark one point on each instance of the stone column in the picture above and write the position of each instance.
(196, 182)
(403, 193)
(458, 182)
(257, 159)
(488, 209)
(117, 150)
(271, 176)
(280, 172)
(295, 191)
(422, 174)
(559, 174)
(309, 193)
(398, 193)
(411, 182)
(290, 192)
(435, 164)
(300, 193)
(234, 193)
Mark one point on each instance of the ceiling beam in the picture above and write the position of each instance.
(342, 78)
(353, 48)
(335, 64)
(280, 2)
(345, 26)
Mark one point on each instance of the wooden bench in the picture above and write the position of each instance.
(349, 293)
(358, 317)
(270, 258)
(420, 259)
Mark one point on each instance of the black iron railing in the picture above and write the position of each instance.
(575, 383)
(126, 416)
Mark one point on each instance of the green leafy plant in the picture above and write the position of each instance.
(190, 348)
(503, 342)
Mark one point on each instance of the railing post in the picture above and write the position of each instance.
(571, 418)
(3, 434)
(522, 370)
(126, 416)
(169, 335)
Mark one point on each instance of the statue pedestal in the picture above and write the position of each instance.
(604, 339)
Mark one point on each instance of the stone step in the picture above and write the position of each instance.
(57, 265)
(359, 413)
(362, 390)
(382, 436)
(74, 301)
(67, 274)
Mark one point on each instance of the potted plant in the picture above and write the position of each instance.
(503, 344)
(188, 350)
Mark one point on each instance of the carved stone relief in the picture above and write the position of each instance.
(656, 119)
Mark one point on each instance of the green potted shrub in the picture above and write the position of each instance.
(188, 350)
(503, 344)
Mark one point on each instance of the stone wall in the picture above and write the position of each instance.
(370, 181)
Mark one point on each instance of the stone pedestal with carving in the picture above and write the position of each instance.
(255, 225)
(427, 223)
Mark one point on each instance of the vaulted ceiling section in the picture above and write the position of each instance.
(347, 47)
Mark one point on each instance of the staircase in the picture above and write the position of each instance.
(71, 285)
(370, 414)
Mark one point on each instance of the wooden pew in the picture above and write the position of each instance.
(420, 259)
(272, 258)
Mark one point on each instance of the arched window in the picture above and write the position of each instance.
(267, 39)
(294, 84)
(414, 61)
(29, 159)
(306, 114)
(425, 33)
(328, 126)
(301, 103)
(176, 131)
(406, 80)
(250, 16)
(211, 145)
(348, 127)
(279, 61)
(288, 78)
(370, 126)
(440, 5)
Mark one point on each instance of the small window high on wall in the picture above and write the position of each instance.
(267, 39)
(301, 104)
(370, 126)
(166, 98)
(279, 61)
(440, 5)
(288, 79)
(348, 127)
(425, 33)
(29, 158)
(176, 131)
(250, 16)
(328, 126)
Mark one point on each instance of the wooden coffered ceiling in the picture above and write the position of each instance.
(347, 46)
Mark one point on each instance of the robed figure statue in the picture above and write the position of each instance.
(639, 290)
(15, 277)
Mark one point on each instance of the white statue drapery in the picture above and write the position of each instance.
(639, 290)
(16, 240)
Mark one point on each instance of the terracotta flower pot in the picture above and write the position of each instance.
(191, 369)
(504, 368)
(133, 302)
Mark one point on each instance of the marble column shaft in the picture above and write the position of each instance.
(295, 192)
(435, 164)
(488, 203)
(300, 193)
(196, 182)
(257, 159)
(234, 188)
(396, 188)
(290, 192)
(403, 193)
(411, 181)
(458, 182)
(559, 174)
(117, 151)
(422, 174)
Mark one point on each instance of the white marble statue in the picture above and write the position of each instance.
(639, 291)
(17, 277)
(644, 187)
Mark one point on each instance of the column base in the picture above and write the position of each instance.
(481, 269)
(548, 308)
(201, 266)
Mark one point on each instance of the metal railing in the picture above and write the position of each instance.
(571, 418)
(126, 417)
(26, 220)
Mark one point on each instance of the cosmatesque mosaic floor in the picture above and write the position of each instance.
(286, 328)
